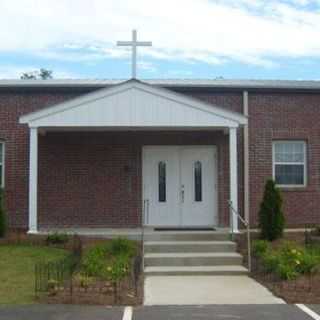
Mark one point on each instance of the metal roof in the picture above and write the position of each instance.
(183, 83)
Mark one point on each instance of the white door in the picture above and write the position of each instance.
(198, 185)
(179, 186)
(161, 186)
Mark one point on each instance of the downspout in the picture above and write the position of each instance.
(246, 157)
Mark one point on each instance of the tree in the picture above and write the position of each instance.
(45, 74)
(42, 74)
(271, 217)
(3, 221)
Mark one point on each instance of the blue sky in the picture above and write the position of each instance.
(191, 38)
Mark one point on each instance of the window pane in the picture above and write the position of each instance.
(197, 181)
(289, 151)
(1, 152)
(1, 182)
(162, 181)
(289, 174)
(289, 157)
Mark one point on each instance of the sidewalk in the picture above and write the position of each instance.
(200, 290)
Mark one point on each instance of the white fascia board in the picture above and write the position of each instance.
(34, 118)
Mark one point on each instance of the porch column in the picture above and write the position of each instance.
(33, 180)
(233, 176)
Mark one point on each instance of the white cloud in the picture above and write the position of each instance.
(250, 31)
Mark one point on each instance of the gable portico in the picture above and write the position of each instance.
(133, 107)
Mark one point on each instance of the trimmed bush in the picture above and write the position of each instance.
(3, 220)
(271, 218)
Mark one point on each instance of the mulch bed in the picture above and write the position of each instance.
(305, 289)
(97, 293)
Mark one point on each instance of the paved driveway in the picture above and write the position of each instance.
(213, 312)
(315, 308)
(221, 312)
(60, 312)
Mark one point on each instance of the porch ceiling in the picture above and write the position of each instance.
(134, 104)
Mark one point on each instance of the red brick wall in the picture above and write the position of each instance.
(285, 116)
(76, 171)
(16, 138)
(94, 179)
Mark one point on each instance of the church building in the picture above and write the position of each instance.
(111, 154)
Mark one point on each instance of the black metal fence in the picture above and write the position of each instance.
(56, 273)
(60, 276)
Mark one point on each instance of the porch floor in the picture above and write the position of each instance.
(132, 233)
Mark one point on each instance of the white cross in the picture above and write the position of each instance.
(134, 44)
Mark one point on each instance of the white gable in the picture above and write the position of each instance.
(133, 104)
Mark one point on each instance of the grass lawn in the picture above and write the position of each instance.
(17, 271)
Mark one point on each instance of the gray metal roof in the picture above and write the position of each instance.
(183, 83)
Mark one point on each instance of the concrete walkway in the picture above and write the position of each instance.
(200, 290)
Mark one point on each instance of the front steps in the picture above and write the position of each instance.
(191, 253)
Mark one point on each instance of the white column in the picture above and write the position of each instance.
(246, 157)
(233, 164)
(33, 180)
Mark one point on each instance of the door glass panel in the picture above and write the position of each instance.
(197, 181)
(162, 181)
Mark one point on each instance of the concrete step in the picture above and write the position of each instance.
(189, 246)
(192, 259)
(186, 236)
(196, 271)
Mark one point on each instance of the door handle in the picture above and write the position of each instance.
(182, 193)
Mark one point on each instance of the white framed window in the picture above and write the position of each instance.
(289, 163)
(1, 164)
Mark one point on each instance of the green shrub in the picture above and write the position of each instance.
(260, 247)
(271, 218)
(110, 260)
(286, 271)
(3, 220)
(290, 260)
(121, 246)
(94, 261)
(317, 229)
(270, 261)
(309, 263)
(57, 238)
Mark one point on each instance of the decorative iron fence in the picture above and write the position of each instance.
(56, 273)
(60, 282)
(304, 289)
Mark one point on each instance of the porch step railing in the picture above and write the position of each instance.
(145, 215)
(246, 224)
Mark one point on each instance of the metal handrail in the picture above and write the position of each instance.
(247, 225)
(142, 232)
(144, 209)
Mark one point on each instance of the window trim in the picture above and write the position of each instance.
(305, 177)
(2, 162)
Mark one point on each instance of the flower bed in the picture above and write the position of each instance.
(107, 273)
(289, 270)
